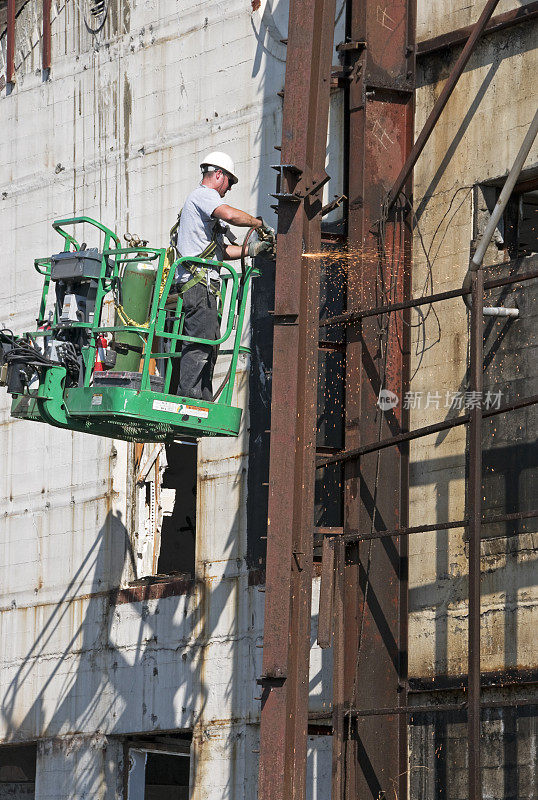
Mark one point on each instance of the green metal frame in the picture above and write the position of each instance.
(140, 414)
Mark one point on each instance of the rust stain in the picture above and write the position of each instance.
(130, 594)
(134, 594)
(255, 4)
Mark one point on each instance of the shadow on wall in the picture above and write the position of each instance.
(124, 663)
(106, 677)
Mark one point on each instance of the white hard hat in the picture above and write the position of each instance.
(220, 161)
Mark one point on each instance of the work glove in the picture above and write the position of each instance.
(260, 246)
(266, 229)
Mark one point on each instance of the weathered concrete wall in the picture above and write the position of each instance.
(80, 766)
(476, 140)
(435, 17)
(117, 134)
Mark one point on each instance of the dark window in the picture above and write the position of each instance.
(520, 223)
(178, 532)
(517, 232)
(509, 458)
(164, 519)
(17, 771)
(159, 768)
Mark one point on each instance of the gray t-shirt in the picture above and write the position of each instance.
(196, 228)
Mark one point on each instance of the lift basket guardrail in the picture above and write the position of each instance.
(115, 380)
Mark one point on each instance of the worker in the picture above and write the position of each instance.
(203, 228)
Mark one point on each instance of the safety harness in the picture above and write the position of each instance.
(198, 272)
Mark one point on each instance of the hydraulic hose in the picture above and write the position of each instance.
(244, 249)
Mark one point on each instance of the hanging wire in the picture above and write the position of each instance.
(392, 267)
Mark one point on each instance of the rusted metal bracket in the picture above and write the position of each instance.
(338, 200)
(403, 87)
(301, 182)
(271, 680)
(341, 75)
(352, 46)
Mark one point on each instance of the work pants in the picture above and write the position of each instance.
(198, 360)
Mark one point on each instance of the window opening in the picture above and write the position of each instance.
(517, 233)
(17, 771)
(178, 534)
(159, 768)
(521, 222)
(510, 455)
(165, 516)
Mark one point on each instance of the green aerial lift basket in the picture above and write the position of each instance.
(135, 405)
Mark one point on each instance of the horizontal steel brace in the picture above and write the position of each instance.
(420, 432)
(353, 316)
(356, 536)
(425, 709)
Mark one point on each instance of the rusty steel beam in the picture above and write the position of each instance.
(355, 536)
(285, 679)
(45, 54)
(10, 43)
(474, 509)
(441, 102)
(432, 708)
(338, 699)
(498, 23)
(379, 118)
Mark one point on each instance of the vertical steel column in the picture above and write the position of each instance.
(339, 743)
(45, 55)
(380, 119)
(475, 516)
(285, 679)
(10, 47)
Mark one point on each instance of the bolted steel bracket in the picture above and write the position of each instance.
(301, 183)
(271, 680)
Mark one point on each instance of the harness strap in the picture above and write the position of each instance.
(198, 277)
(198, 273)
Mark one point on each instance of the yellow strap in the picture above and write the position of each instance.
(127, 320)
